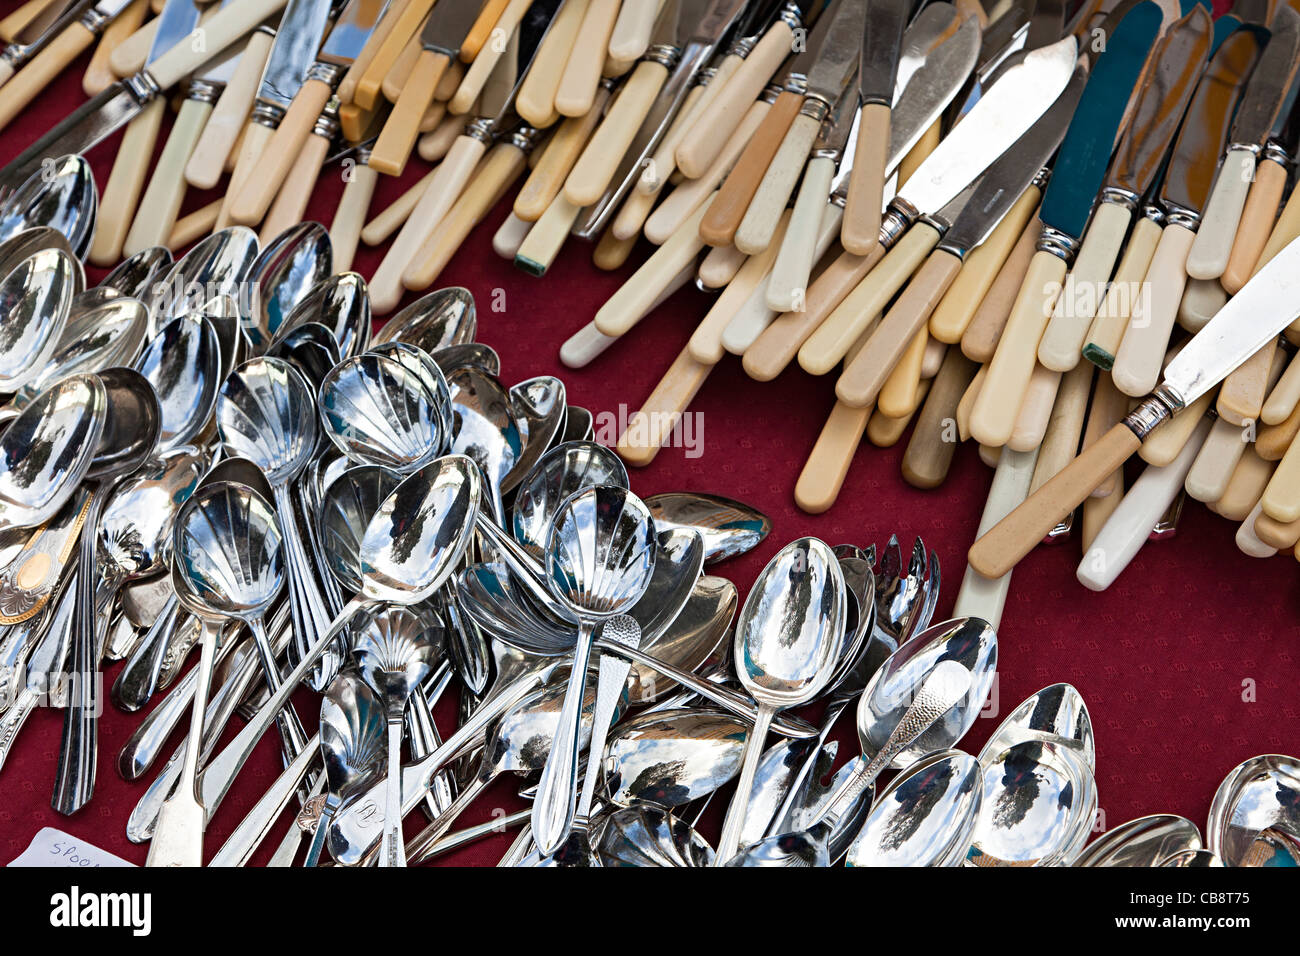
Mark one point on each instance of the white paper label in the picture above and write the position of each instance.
(51, 847)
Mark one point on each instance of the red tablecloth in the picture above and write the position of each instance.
(1189, 663)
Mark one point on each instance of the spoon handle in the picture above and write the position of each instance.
(729, 842)
(246, 837)
(394, 853)
(557, 791)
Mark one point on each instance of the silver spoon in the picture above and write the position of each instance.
(599, 559)
(477, 354)
(36, 297)
(215, 266)
(539, 409)
(284, 273)
(1056, 714)
(1262, 793)
(62, 196)
(729, 528)
(183, 364)
(394, 652)
(378, 412)
(1146, 841)
(131, 426)
(311, 349)
(579, 425)
(559, 473)
(441, 318)
(648, 836)
(786, 642)
(485, 428)
(352, 743)
(341, 303)
(134, 276)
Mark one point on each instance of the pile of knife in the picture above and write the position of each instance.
(997, 222)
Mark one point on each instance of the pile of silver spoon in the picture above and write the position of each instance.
(216, 453)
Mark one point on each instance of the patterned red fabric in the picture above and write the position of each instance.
(1163, 658)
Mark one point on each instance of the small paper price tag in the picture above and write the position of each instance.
(51, 847)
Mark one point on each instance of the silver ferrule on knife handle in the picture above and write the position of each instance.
(1153, 212)
(483, 129)
(1060, 244)
(524, 138)
(328, 73)
(1120, 197)
(265, 113)
(770, 93)
(814, 107)
(1041, 178)
(142, 86)
(665, 54)
(204, 91)
(1177, 215)
(1162, 404)
(327, 124)
(897, 218)
(1276, 152)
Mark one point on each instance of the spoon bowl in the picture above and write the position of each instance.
(441, 318)
(377, 412)
(36, 297)
(183, 363)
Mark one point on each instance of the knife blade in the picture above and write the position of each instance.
(1260, 107)
(1000, 118)
(991, 198)
(832, 69)
(103, 115)
(1258, 313)
(320, 75)
(1182, 197)
(877, 75)
(440, 43)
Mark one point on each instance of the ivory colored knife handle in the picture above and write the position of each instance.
(1209, 253)
(773, 350)
(968, 402)
(1215, 462)
(99, 75)
(719, 228)
(980, 339)
(774, 191)
(133, 51)
(117, 206)
(833, 338)
(251, 146)
(999, 549)
(1202, 299)
(1129, 525)
(446, 184)
(27, 83)
(499, 169)
(229, 115)
(254, 198)
(1108, 327)
(1281, 499)
(393, 148)
(547, 177)
(632, 214)
(631, 36)
(796, 256)
(393, 15)
(1241, 396)
(828, 463)
(545, 239)
(953, 315)
(14, 22)
(434, 146)
(710, 131)
(1108, 407)
(1137, 364)
(350, 216)
(535, 102)
(884, 431)
(1248, 542)
(405, 23)
(1285, 229)
(587, 344)
(626, 307)
(220, 30)
(706, 343)
(1257, 220)
(1062, 343)
(487, 56)
(929, 452)
(1065, 426)
(1248, 483)
(650, 427)
(1285, 395)
(898, 397)
(161, 203)
(612, 252)
(720, 265)
(1272, 441)
(596, 166)
(510, 235)
(576, 94)
(863, 378)
(994, 416)
(686, 196)
(1035, 409)
(662, 165)
(397, 74)
(1164, 444)
(980, 596)
(197, 224)
(861, 227)
(290, 203)
(1276, 534)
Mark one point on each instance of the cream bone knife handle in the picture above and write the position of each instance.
(1107, 329)
(220, 30)
(626, 307)
(486, 57)
(221, 132)
(1069, 411)
(592, 173)
(866, 374)
(257, 192)
(651, 426)
(99, 74)
(291, 201)
(1141, 353)
(712, 127)
(162, 199)
(1215, 462)
(27, 83)
(777, 186)
(1281, 500)
(535, 102)
(833, 339)
(448, 181)
(1062, 343)
(828, 463)
(393, 148)
(993, 417)
(930, 451)
(1257, 219)
(546, 180)
(662, 164)
(587, 344)
(576, 94)
(792, 270)
(1129, 525)
(1241, 396)
(388, 220)
(632, 30)
(1285, 395)
(861, 225)
(998, 550)
(257, 134)
(350, 216)
(980, 596)
(1209, 254)
(547, 236)
(117, 205)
